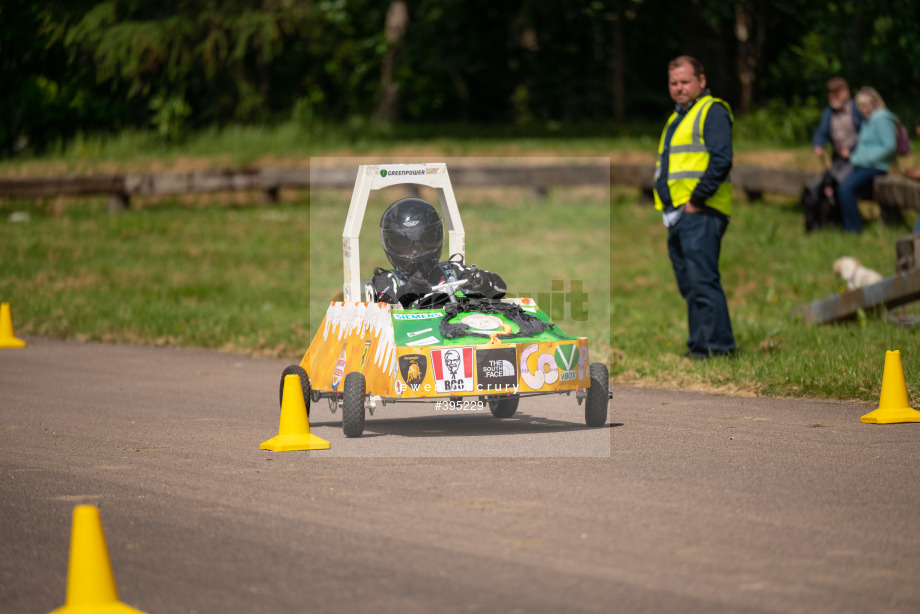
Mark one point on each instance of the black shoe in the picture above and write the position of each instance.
(697, 355)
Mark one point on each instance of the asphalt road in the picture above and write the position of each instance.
(687, 502)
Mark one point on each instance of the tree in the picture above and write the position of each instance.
(397, 20)
(103, 65)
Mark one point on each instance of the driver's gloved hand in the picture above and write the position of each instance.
(418, 285)
(476, 281)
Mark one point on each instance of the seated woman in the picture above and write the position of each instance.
(412, 235)
(876, 149)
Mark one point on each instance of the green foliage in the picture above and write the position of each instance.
(42, 100)
(869, 42)
(91, 66)
(816, 61)
(306, 114)
(779, 124)
(169, 116)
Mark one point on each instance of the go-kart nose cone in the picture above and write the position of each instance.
(412, 235)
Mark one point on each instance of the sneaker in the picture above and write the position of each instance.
(697, 355)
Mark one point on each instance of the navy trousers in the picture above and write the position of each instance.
(694, 244)
(848, 194)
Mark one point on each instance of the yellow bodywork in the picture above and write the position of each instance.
(359, 337)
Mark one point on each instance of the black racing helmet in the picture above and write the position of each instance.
(412, 235)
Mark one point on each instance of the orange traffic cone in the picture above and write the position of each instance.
(893, 405)
(294, 429)
(90, 582)
(7, 337)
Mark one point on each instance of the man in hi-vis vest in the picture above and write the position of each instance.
(695, 198)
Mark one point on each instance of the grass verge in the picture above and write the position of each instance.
(239, 278)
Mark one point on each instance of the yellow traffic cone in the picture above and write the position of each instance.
(893, 405)
(294, 429)
(90, 582)
(7, 337)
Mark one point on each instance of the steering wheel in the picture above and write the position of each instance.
(449, 287)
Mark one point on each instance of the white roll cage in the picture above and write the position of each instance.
(377, 176)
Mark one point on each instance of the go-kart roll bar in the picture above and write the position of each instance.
(377, 176)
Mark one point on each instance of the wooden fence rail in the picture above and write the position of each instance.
(891, 192)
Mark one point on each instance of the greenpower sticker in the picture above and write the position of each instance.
(396, 171)
(567, 360)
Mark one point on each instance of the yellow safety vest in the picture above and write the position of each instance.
(689, 158)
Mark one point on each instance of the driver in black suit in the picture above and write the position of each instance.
(412, 235)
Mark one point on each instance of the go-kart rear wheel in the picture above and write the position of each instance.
(353, 394)
(504, 408)
(598, 395)
(304, 384)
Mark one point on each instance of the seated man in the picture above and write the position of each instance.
(412, 235)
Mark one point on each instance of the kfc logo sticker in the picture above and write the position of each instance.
(453, 369)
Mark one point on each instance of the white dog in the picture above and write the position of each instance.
(855, 274)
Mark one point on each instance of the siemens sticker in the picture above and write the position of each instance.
(417, 316)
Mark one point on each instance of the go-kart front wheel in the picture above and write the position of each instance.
(598, 395)
(504, 408)
(353, 393)
(304, 384)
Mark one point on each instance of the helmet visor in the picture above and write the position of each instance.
(410, 243)
(422, 240)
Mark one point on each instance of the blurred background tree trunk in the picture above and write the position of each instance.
(749, 32)
(396, 23)
(618, 62)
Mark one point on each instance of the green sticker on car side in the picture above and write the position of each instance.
(417, 327)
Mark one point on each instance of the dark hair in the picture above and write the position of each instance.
(835, 84)
(687, 59)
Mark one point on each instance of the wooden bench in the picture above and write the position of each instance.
(893, 193)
